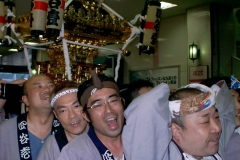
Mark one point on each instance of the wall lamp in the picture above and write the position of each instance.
(193, 52)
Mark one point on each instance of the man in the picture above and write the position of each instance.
(195, 125)
(104, 110)
(194, 128)
(22, 137)
(70, 114)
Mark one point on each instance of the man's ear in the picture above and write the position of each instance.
(176, 131)
(55, 114)
(25, 100)
(85, 116)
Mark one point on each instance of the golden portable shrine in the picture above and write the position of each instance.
(73, 31)
(84, 22)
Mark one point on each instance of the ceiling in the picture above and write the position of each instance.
(129, 8)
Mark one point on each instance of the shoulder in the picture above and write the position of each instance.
(234, 140)
(233, 147)
(51, 141)
(81, 144)
(174, 151)
(80, 147)
(50, 150)
(79, 141)
(8, 140)
(8, 124)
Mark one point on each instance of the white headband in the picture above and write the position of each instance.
(178, 109)
(61, 94)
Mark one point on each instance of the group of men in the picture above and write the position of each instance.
(195, 122)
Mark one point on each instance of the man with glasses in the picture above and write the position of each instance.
(100, 99)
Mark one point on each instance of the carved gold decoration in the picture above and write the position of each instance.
(84, 22)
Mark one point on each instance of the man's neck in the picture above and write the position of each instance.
(197, 157)
(40, 124)
(113, 144)
(70, 136)
(181, 150)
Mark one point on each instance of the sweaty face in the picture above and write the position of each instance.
(70, 114)
(202, 133)
(236, 99)
(38, 90)
(107, 114)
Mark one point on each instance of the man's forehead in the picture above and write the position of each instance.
(234, 92)
(67, 100)
(208, 112)
(39, 79)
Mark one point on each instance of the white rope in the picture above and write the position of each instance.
(40, 44)
(13, 30)
(115, 13)
(91, 46)
(66, 56)
(27, 58)
(5, 25)
(138, 45)
(10, 39)
(135, 31)
(119, 52)
(118, 66)
(67, 3)
(100, 3)
(10, 13)
(134, 21)
(30, 47)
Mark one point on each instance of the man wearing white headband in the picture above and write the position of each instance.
(100, 98)
(195, 125)
(70, 114)
(185, 127)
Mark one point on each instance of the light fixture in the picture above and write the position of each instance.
(34, 71)
(166, 5)
(13, 50)
(193, 52)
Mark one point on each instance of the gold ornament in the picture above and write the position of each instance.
(20, 48)
(126, 52)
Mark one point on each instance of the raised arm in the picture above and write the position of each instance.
(226, 110)
(146, 134)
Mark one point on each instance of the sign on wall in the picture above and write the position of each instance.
(168, 75)
(198, 73)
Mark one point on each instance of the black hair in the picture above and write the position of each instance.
(63, 85)
(131, 91)
(181, 94)
(184, 93)
(85, 85)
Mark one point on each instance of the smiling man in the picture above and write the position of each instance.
(22, 137)
(100, 98)
(70, 114)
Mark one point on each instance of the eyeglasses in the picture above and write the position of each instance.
(112, 101)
